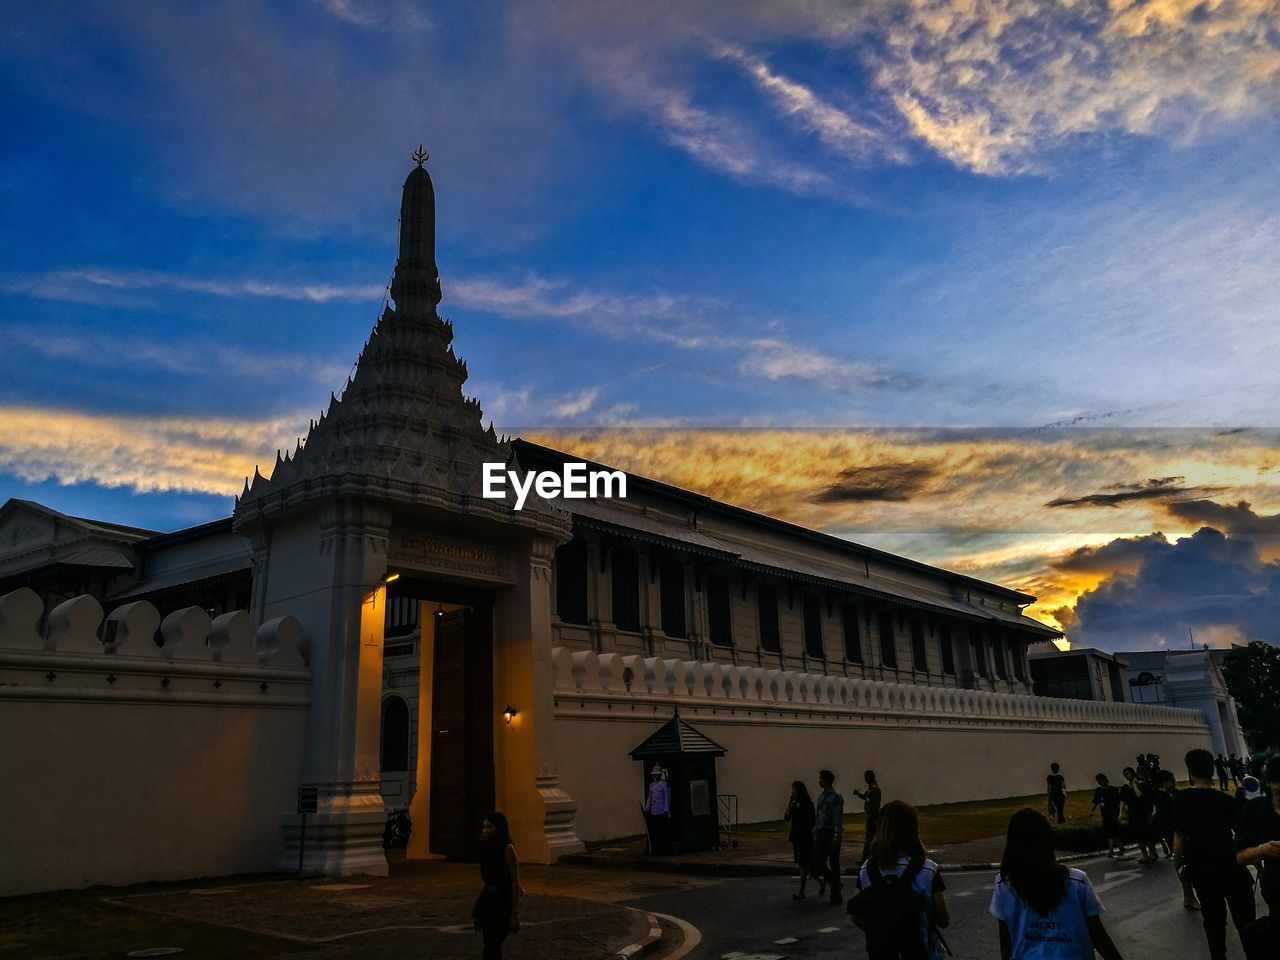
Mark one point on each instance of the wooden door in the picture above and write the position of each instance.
(461, 732)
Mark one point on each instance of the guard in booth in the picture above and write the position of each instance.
(657, 811)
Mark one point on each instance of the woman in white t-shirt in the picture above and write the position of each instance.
(1045, 910)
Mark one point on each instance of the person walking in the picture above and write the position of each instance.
(1220, 765)
(496, 914)
(1045, 910)
(1166, 802)
(1106, 800)
(657, 810)
(1204, 847)
(871, 812)
(801, 815)
(900, 904)
(1057, 787)
(1258, 845)
(828, 829)
(1138, 797)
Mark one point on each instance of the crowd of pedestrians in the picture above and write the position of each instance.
(1216, 839)
(1044, 910)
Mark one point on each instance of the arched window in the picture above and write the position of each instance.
(395, 735)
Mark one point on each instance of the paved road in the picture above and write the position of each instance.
(756, 919)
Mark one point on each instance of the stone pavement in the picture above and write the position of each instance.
(423, 909)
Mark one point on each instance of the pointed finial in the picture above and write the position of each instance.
(421, 156)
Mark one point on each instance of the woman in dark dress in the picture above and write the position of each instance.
(800, 813)
(497, 909)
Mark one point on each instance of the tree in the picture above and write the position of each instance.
(1252, 673)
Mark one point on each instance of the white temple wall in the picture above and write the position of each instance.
(126, 762)
(927, 745)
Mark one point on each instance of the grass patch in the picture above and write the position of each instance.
(946, 823)
(82, 926)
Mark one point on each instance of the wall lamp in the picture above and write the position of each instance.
(509, 714)
(391, 578)
(439, 610)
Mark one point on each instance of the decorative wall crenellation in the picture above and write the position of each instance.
(632, 676)
(132, 655)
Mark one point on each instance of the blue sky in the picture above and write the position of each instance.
(916, 214)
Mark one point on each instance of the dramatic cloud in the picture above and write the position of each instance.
(1211, 584)
(993, 85)
(836, 129)
(1124, 555)
(1238, 518)
(145, 454)
(890, 482)
(1154, 489)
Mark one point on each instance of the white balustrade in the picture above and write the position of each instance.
(652, 676)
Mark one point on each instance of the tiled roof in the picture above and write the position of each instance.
(676, 737)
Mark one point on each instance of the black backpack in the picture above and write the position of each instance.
(893, 914)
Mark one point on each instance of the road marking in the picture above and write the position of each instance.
(829, 930)
(785, 941)
(1121, 877)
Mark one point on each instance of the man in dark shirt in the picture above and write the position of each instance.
(1057, 785)
(1204, 846)
(1220, 764)
(1106, 799)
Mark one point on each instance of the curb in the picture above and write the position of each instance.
(646, 945)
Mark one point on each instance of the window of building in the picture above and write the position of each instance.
(402, 615)
(571, 582)
(626, 588)
(888, 644)
(1018, 654)
(719, 612)
(852, 634)
(767, 613)
(395, 735)
(997, 654)
(944, 646)
(977, 651)
(671, 582)
(919, 658)
(1066, 677)
(813, 627)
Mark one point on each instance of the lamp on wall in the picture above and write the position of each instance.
(509, 714)
(439, 611)
(391, 578)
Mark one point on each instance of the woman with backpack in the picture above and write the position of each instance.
(800, 813)
(900, 904)
(1043, 908)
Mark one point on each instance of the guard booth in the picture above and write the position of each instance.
(689, 757)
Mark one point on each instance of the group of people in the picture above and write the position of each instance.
(1212, 836)
(1043, 909)
(817, 831)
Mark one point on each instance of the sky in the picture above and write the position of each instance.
(991, 284)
